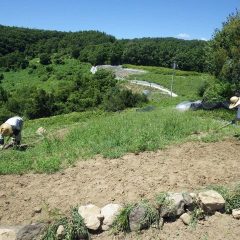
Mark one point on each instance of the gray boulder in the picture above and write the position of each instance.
(174, 205)
(136, 218)
(31, 232)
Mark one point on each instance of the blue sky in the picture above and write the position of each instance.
(188, 19)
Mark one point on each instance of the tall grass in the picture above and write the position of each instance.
(110, 135)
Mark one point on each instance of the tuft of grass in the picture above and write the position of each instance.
(121, 221)
(151, 215)
(74, 228)
(196, 214)
(162, 199)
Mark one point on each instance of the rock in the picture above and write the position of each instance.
(37, 210)
(90, 214)
(189, 200)
(41, 131)
(8, 234)
(193, 195)
(109, 212)
(175, 205)
(236, 213)
(2, 194)
(31, 232)
(27, 199)
(186, 218)
(60, 232)
(211, 201)
(136, 218)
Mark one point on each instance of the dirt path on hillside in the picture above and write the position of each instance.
(100, 181)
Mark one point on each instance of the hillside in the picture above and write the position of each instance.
(19, 45)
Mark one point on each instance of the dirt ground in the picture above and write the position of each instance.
(186, 167)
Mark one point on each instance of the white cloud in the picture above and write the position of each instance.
(183, 36)
(204, 39)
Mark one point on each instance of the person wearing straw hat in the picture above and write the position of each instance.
(235, 103)
(11, 128)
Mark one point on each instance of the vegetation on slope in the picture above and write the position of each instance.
(19, 45)
(42, 91)
(223, 60)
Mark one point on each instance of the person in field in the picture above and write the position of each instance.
(12, 128)
(235, 103)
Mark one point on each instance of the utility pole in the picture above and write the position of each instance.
(174, 67)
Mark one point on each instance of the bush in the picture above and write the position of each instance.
(116, 100)
(217, 92)
(45, 59)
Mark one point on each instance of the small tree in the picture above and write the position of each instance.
(45, 59)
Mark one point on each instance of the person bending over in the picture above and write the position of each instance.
(12, 128)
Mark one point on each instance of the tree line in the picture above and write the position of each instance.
(19, 45)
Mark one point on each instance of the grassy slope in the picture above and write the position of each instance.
(82, 135)
(40, 77)
(185, 84)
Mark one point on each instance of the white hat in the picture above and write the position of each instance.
(235, 101)
(6, 129)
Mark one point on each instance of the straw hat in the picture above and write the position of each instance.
(6, 129)
(235, 101)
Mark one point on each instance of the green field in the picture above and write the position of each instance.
(185, 84)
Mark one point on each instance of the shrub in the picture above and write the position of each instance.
(45, 59)
(116, 100)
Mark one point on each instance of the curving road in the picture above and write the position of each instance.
(154, 85)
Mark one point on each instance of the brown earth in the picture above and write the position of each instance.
(186, 167)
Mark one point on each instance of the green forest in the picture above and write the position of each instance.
(19, 45)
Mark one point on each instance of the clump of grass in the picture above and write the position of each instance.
(196, 214)
(74, 228)
(161, 199)
(163, 202)
(121, 222)
(50, 233)
(151, 215)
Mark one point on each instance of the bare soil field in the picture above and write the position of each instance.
(187, 167)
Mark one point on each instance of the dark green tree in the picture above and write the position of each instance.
(45, 59)
(223, 56)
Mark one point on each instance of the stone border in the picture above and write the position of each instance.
(168, 205)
